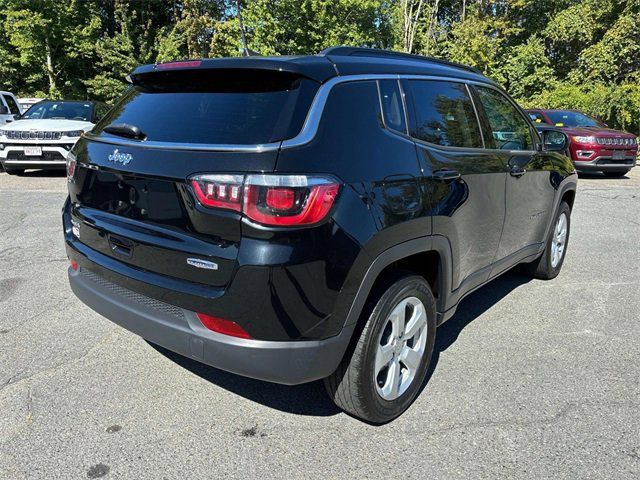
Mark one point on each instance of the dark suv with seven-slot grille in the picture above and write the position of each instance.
(311, 217)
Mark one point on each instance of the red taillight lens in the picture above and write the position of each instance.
(273, 200)
(220, 325)
(300, 206)
(281, 198)
(221, 191)
(73, 264)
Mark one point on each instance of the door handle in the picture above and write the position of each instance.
(445, 175)
(517, 171)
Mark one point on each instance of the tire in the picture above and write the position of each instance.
(14, 171)
(354, 386)
(549, 264)
(616, 174)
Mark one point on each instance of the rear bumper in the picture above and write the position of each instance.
(179, 330)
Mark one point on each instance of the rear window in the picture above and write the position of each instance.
(215, 106)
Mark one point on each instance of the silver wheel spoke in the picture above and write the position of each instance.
(410, 358)
(392, 384)
(383, 357)
(398, 318)
(416, 322)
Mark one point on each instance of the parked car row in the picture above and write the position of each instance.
(42, 136)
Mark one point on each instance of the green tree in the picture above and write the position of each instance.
(53, 37)
(308, 26)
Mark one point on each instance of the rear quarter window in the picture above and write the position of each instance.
(392, 105)
(215, 107)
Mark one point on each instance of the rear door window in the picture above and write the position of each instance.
(509, 130)
(444, 114)
(215, 107)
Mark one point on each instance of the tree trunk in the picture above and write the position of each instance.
(433, 21)
(410, 17)
(243, 37)
(50, 72)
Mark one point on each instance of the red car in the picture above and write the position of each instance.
(593, 146)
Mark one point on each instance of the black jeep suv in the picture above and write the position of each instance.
(312, 217)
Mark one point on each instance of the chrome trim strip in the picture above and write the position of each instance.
(35, 162)
(265, 147)
(475, 110)
(404, 107)
(312, 122)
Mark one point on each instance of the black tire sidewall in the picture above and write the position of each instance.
(411, 286)
(554, 271)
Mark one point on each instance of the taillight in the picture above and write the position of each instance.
(221, 191)
(285, 200)
(73, 264)
(220, 325)
(273, 200)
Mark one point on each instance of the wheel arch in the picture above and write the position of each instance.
(428, 256)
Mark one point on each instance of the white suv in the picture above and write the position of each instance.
(45, 133)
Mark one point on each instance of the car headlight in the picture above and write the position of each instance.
(584, 139)
(73, 133)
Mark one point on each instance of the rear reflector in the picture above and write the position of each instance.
(71, 167)
(183, 64)
(73, 264)
(220, 325)
(273, 200)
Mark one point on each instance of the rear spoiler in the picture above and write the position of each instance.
(315, 68)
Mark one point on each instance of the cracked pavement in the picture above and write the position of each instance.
(530, 379)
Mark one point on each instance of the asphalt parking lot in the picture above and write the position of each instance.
(530, 379)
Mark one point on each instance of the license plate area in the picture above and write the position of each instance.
(618, 155)
(33, 151)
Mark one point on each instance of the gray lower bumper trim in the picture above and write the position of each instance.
(288, 363)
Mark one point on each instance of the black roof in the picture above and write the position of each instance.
(334, 61)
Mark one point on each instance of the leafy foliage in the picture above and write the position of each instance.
(581, 54)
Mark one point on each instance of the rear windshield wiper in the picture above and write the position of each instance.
(125, 130)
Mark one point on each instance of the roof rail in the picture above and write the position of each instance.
(374, 52)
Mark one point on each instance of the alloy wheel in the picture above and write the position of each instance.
(400, 348)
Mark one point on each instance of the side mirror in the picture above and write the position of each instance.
(554, 141)
(4, 110)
